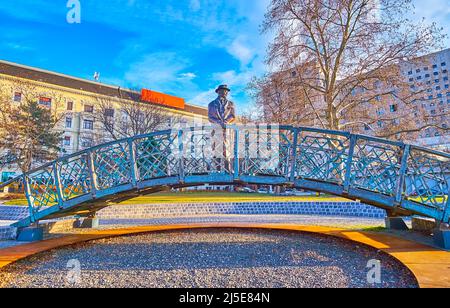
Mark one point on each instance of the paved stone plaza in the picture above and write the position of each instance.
(210, 258)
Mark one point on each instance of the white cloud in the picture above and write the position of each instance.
(188, 76)
(233, 78)
(195, 5)
(236, 81)
(161, 71)
(203, 98)
(241, 51)
(437, 11)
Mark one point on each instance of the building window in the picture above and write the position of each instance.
(89, 108)
(419, 77)
(45, 101)
(443, 63)
(88, 124)
(393, 108)
(434, 65)
(427, 75)
(425, 68)
(445, 71)
(70, 106)
(445, 78)
(410, 73)
(17, 97)
(436, 81)
(447, 86)
(417, 70)
(109, 113)
(436, 74)
(438, 88)
(411, 79)
(67, 140)
(87, 143)
(430, 97)
(68, 122)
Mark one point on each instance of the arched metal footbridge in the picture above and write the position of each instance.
(403, 179)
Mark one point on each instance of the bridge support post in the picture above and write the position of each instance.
(394, 222)
(442, 236)
(91, 222)
(30, 234)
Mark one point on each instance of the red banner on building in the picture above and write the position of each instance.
(162, 99)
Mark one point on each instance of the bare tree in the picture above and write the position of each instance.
(129, 116)
(29, 125)
(343, 60)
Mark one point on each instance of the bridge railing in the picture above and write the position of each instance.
(407, 176)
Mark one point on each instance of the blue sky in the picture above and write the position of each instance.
(180, 47)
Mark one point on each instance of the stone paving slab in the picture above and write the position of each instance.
(4, 223)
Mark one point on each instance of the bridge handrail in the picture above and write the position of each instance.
(400, 166)
(164, 132)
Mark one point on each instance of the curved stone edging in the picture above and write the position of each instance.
(147, 211)
(430, 266)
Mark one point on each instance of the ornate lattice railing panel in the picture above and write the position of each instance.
(428, 178)
(322, 156)
(206, 150)
(265, 151)
(156, 156)
(379, 172)
(42, 188)
(112, 165)
(376, 166)
(74, 176)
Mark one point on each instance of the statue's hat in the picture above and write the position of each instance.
(223, 87)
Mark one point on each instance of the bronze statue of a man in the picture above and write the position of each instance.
(222, 111)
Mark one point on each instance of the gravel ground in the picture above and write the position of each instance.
(209, 258)
(329, 221)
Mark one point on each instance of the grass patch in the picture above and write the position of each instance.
(207, 197)
(17, 202)
(374, 229)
